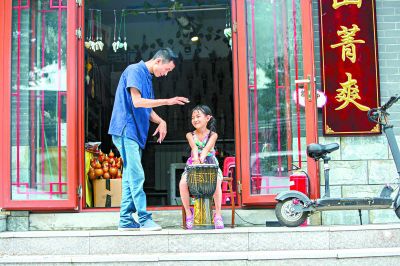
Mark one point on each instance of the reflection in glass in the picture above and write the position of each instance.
(38, 100)
(277, 121)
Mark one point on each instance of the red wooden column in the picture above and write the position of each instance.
(5, 83)
(241, 99)
(81, 106)
(310, 92)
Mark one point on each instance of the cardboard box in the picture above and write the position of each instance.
(107, 192)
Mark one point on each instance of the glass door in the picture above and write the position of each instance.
(40, 100)
(277, 102)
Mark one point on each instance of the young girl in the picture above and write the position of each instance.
(202, 141)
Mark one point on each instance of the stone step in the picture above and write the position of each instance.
(109, 220)
(244, 239)
(381, 256)
(3, 222)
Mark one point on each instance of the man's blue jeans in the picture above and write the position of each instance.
(133, 196)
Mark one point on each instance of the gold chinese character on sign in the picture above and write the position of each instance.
(349, 94)
(347, 42)
(337, 3)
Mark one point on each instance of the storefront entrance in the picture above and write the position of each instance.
(203, 74)
(60, 93)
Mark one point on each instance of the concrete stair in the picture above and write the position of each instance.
(3, 222)
(109, 220)
(334, 245)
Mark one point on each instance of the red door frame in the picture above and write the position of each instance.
(239, 54)
(242, 99)
(310, 89)
(5, 81)
(237, 75)
(241, 110)
(5, 96)
(81, 107)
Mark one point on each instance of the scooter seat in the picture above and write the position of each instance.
(318, 151)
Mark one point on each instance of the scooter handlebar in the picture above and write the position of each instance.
(389, 103)
(375, 114)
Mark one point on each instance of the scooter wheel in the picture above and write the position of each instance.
(286, 214)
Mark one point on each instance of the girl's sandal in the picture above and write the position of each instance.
(218, 222)
(190, 220)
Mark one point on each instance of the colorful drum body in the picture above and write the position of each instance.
(202, 182)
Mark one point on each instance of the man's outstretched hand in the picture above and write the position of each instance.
(178, 100)
(162, 126)
(162, 130)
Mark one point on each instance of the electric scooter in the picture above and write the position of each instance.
(294, 207)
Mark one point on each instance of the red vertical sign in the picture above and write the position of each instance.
(349, 65)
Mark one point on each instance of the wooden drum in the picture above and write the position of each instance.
(202, 181)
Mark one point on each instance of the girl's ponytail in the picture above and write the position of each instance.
(212, 124)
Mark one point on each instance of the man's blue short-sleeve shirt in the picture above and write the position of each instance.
(125, 115)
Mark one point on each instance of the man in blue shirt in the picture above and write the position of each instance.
(129, 126)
